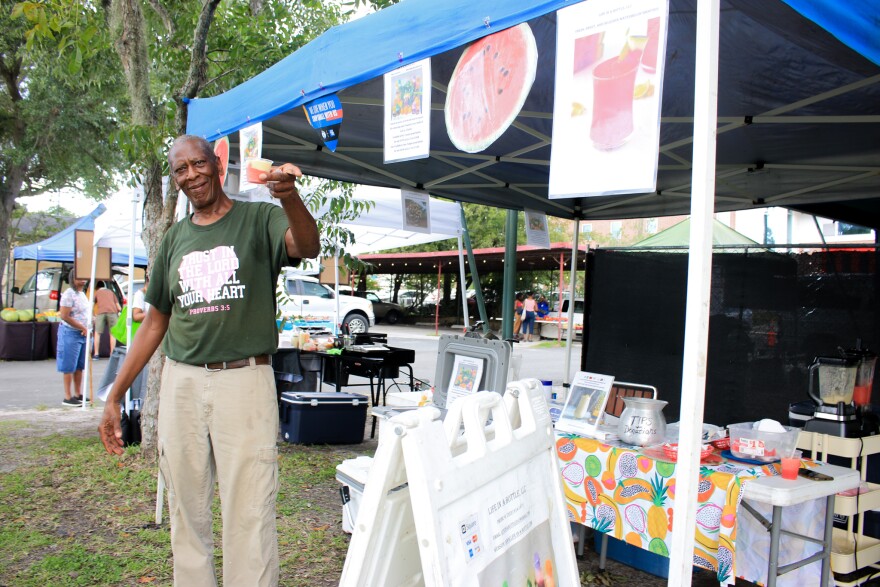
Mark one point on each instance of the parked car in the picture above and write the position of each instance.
(307, 297)
(388, 312)
(49, 285)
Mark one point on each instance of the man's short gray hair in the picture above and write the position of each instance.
(200, 142)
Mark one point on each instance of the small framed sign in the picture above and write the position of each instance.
(585, 404)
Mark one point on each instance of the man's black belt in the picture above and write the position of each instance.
(237, 364)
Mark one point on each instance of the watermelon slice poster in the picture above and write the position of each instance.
(490, 84)
(221, 149)
(606, 112)
(325, 116)
(408, 112)
(250, 145)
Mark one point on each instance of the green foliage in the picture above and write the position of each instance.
(31, 227)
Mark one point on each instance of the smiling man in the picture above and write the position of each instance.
(212, 300)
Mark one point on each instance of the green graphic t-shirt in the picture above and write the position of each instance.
(218, 283)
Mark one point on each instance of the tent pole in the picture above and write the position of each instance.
(34, 321)
(128, 315)
(437, 305)
(696, 329)
(569, 334)
(336, 325)
(464, 307)
(87, 384)
(509, 274)
(475, 274)
(559, 297)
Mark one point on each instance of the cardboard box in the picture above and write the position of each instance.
(323, 418)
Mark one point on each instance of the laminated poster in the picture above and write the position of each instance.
(408, 112)
(250, 145)
(537, 231)
(501, 534)
(585, 404)
(325, 116)
(467, 372)
(606, 111)
(416, 211)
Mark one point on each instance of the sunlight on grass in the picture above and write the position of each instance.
(550, 344)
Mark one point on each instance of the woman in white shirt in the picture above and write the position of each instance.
(70, 357)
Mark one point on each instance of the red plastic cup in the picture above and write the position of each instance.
(613, 83)
(790, 465)
(256, 167)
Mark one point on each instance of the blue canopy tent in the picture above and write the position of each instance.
(798, 109)
(60, 246)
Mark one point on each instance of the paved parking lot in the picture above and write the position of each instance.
(27, 385)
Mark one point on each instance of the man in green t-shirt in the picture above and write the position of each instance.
(212, 301)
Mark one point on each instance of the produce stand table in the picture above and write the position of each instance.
(552, 328)
(629, 494)
(16, 338)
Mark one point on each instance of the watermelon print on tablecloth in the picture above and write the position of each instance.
(489, 86)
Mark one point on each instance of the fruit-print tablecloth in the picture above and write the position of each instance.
(630, 496)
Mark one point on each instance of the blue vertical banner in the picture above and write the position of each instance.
(325, 116)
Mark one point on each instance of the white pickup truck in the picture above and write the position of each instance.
(550, 323)
(306, 297)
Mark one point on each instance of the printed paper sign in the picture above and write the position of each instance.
(325, 116)
(606, 112)
(585, 404)
(467, 372)
(408, 112)
(221, 149)
(416, 211)
(504, 531)
(250, 145)
(537, 232)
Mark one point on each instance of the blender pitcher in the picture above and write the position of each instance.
(864, 379)
(837, 377)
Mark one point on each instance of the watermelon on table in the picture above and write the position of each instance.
(489, 86)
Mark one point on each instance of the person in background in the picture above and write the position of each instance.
(530, 308)
(212, 307)
(543, 307)
(543, 310)
(70, 357)
(138, 304)
(107, 310)
(517, 314)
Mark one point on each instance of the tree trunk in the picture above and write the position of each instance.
(129, 30)
(8, 194)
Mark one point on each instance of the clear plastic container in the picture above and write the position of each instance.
(749, 443)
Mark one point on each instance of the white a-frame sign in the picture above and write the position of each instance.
(461, 502)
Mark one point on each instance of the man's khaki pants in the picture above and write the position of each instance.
(221, 424)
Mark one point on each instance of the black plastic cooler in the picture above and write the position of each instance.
(323, 418)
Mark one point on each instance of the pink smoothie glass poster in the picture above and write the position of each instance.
(606, 113)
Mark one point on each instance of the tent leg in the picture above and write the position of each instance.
(509, 274)
(572, 281)
(464, 307)
(475, 274)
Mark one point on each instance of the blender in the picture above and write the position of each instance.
(834, 411)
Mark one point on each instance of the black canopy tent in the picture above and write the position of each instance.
(797, 117)
(799, 112)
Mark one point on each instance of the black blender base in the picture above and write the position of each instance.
(845, 429)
